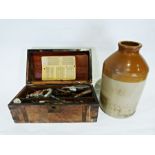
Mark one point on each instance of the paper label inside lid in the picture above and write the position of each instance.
(58, 68)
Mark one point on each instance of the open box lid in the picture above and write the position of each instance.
(37, 57)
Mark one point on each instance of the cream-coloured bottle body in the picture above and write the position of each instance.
(120, 98)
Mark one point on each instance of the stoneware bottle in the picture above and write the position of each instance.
(123, 78)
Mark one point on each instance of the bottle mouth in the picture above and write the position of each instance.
(130, 45)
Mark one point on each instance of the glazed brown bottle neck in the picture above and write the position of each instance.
(129, 47)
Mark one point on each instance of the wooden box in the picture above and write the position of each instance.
(79, 109)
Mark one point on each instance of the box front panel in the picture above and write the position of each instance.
(37, 113)
(54, 113)
(17, 114)
(68, 113)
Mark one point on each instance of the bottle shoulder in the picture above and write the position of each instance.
(126, 67)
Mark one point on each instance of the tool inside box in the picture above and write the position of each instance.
(59, 94)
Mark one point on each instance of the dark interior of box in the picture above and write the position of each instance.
(30, 89)
(90, 98)
(83, 63)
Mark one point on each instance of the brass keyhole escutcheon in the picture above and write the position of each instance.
(54, 108)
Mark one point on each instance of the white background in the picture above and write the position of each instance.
(16, 36)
